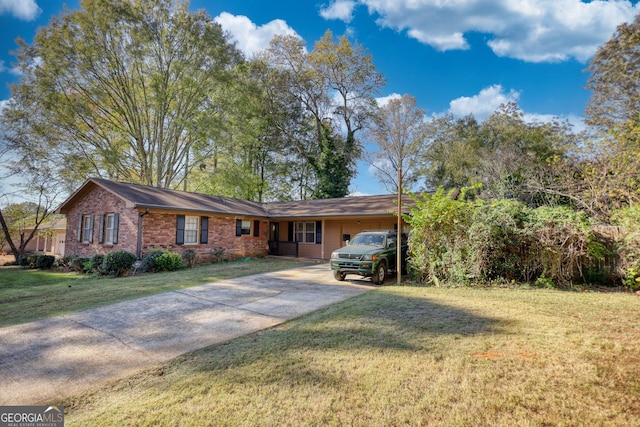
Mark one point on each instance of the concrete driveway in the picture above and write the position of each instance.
(42, 361)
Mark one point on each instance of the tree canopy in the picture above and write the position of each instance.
(123, 89)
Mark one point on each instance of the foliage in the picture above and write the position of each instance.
(629, 247)
(118, 263)
(500, 242)
(95, 264)
(148, 264)
(472, 242)
(135, 86)
(27, 260)
(399, 131)
(335, 84)
(438, 244)
(511, 157)
(44, 262)
(334, 167)
(74, 263)
(217, 254)
(614, 80)
(190, 258)
(168, 261)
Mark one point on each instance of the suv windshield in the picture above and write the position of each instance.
(368, 239)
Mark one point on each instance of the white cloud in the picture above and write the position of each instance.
(530, 30)
(26, 10)
(382, 101)
(489, 99)
(484, 103)
(14, 71)
(339, 9)
(249, 37)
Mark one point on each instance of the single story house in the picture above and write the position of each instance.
(49, 238)
(105, 216)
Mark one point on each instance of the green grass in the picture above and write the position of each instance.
(403, 356)
(27, 295)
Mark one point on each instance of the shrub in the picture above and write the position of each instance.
(25, 260)
(439, 247)
(499, 242)
(629, 248)
(168, 261)
(95, 264)
(45, 262)
(190, 257)
(118, 263)
(148, 264)
(217, 254)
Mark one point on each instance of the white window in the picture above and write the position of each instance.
(87, 229)
(110, 229)
(305, 232)
(191, 229)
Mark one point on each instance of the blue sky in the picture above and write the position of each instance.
(456, 56)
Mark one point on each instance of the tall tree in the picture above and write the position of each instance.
(615, 80)
(605, 177)
(127, 89)
(400, 132)
(509, 156)
(335, 83)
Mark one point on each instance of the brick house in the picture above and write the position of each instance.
(105, 216)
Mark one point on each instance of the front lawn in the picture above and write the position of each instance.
(403, 356)
(27, 295)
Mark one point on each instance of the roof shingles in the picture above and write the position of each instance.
(142, 196)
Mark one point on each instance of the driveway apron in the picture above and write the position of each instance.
(43, 361)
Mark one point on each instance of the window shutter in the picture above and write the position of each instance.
(318, 232)
(204, 229)
(80, 228)
(290, 232)
(116, 221)
(100, 228)
(91, 220)
(179, 229)
(238, 227)
(256, 228)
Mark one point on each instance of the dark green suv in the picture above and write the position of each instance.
(369, 254)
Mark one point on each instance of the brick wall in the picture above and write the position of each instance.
(98, 202)
(159, 231)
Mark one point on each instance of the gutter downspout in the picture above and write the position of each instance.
(139, 243)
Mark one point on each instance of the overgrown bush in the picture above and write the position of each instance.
(500, 243)
(461, 242)
(148, 264)
(562, 241)
(439, 246)
(44, 262)
(168, 261)
(118, 263)
(190, 257)
(628, 268)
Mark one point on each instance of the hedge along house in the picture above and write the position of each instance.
(105, 216)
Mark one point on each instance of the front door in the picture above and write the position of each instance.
(274, 236)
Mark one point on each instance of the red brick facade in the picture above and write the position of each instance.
(96, 203)
(158, 230)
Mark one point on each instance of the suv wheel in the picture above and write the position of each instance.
(338, 275)
(380, 274)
